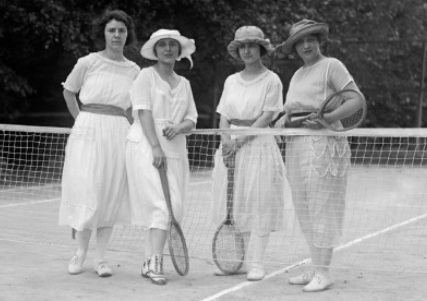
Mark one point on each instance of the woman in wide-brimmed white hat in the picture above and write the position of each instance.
(251, 98)
(317, 165)
(164, 110)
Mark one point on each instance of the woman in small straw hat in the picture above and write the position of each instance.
(317, 165)
(251, 98)
(163, 110)
(94, 185)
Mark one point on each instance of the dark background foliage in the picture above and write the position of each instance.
(381, 42)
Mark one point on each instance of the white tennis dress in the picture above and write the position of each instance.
(94, 182)
(317, 165)
(261, 189)
(168, 106)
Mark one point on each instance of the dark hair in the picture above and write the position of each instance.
(320, 38)
(118, 15)
(179, 48)
(262, 50)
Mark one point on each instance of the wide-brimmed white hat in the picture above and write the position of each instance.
(301, 29)
(188, 46)
(247, 34)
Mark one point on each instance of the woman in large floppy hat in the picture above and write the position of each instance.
(317, 165)
(163, 110)
(251, 98)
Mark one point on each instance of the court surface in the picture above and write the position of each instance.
(382, 256)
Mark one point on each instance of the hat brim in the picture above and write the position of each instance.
(233, 47)
(288, 45)
(188, 46)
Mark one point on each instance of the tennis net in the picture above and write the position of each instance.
(385, 212)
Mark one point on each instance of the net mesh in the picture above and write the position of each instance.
(385, 212)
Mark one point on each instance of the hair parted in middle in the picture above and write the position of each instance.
(118, 15)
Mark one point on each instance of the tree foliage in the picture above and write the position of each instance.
(379, 41)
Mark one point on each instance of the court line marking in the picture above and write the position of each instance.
(306, 260)
(30, 203)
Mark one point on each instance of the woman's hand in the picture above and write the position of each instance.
(230, 147)
(313, 122)
(159, 157)
(229, 150)
(171, 131)
(229, 161)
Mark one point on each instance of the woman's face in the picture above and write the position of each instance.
(167, 50)
(308, 48)
(115, 35)
(250, 52)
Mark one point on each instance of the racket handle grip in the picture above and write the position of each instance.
(298, 123)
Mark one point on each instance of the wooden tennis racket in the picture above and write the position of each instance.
(347, 108)
(228, 245)
(177, 245)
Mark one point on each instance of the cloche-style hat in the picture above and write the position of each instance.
(188, 46)
(301, 29)
(248, 34)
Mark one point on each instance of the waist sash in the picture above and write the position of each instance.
(242, 122)
(98, 108)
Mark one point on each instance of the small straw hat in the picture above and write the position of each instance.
(188, 46)
(248, 34)
(301, 29)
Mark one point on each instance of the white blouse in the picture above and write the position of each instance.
(151, 92)
(101, 80)
(311, 85)
(168, 106)
(242, 99)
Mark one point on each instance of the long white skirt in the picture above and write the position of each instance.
(262, 193)
(94, 181)
(148, 204)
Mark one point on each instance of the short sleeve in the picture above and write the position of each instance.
(76, 78)
(140, 92)
(274, 97)
(191, 113)
(339, 77)
(220, 109)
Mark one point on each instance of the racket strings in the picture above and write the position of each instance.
(179, 250)
(348, 112)
(353, 119)
(229, 249)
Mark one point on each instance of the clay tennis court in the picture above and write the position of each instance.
(382, 256)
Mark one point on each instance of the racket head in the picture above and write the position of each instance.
(352, 106)
(228, 248)
(178, 249)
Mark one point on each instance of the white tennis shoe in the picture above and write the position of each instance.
(256, 273)
(102, 269)
(302, 279)
(75, 265)
(320, 282)
(145, 270)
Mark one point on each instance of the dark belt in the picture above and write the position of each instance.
(242, 122)
(98, 108)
